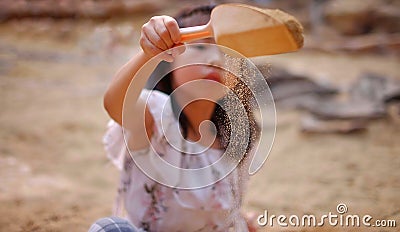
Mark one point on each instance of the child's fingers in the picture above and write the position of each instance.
(160, 34)
(148, 47)
(163, 32)
(173, 29)
(149, 32)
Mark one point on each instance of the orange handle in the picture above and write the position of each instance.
(197, 32)
(194, 36)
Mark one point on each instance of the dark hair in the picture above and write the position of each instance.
(194, 17)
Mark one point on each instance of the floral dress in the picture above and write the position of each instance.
(154, 207)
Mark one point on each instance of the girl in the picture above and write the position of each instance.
(151, 205)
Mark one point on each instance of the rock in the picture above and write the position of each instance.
(303, 101)
(10, 9)
(377, 43)
(286, 85)
(387, 18)
(312, 124)
(368, 87)
(391, 94)
(369, 97)
(352, 109)
(362, 17)
(375, 88)
(373, 43)
(350, 17)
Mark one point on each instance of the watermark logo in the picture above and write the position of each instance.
(341, 208)
(338, 218)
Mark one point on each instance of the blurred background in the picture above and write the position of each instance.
(338, 110)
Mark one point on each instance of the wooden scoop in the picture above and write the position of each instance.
(249, 30)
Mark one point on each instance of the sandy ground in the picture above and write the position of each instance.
(54, 174)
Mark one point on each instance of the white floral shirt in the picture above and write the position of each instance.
(154, 207)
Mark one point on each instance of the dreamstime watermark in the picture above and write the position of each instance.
(339, 218)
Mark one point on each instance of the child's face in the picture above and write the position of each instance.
(200, 53)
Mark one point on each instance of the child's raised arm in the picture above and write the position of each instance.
(157, 35)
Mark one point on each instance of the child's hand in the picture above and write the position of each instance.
(160, 33)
